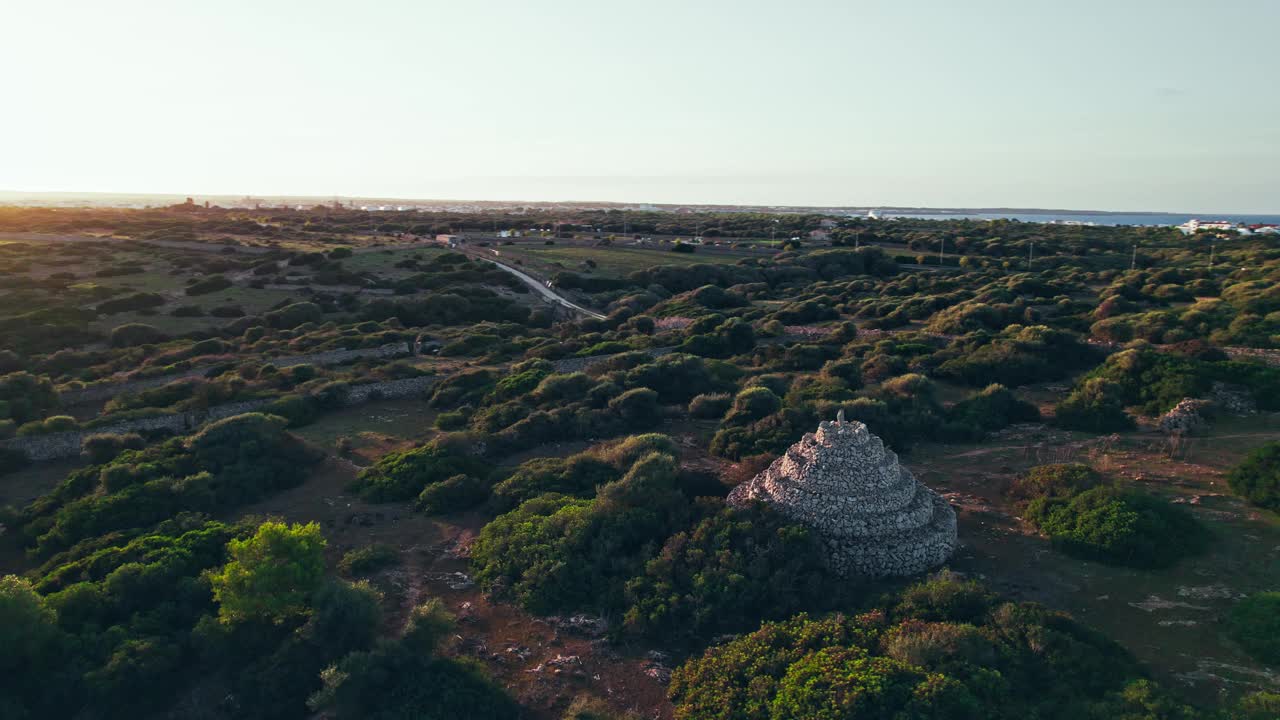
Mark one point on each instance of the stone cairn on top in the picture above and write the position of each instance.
(1187, 418)
(873, 516)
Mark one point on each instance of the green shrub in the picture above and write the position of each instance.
(271, 575)
(104, 447)
(1096, 406)
(1057, 480)
(449, 421)
(133, 334)
(710, 406)
(211, 284)
(1254, 622)
(577, 475)
(1257, 478)
(1006, 661)
(728, 573)
(454, 494)
(1119, 527)
(25, 397)
(752, 404)
(368, 560)
(404, 474)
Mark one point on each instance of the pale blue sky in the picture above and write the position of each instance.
(1123, 104)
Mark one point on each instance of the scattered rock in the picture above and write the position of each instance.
(1155, 602)
(453, 580)
(585, 625)
(1233, 399)
(1207, 592)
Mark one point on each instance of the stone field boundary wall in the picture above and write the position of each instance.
(107, 390)
(55, 446)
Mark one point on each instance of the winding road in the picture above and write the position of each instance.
(545, 291)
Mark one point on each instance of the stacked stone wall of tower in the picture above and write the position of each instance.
(874, 517)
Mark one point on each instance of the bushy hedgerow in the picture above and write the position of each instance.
(1254, 622)
(920, 661)
(1257, 478)
(1119, 527)
(733, 569)
(405, 474)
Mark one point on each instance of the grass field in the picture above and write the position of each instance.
(610, 261)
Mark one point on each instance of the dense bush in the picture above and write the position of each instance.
(1054, 481)
(994, 408)
(710, 405)
(1119, 527)
(730, 571)
(228, 463)
(1255, 623)
(406, 678)
(369, 559)
(105, 447)
(404, 474)
(131, 303)
(1095, 406)
(271, 576)
(134, 334)
(1257, 478)
(454, 494)
(920, 660)
(557, 553)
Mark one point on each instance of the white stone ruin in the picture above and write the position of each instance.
(873, 516)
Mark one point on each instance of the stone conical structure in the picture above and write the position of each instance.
(873, 515)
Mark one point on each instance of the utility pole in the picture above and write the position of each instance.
(1212, 246)
(1133, 264)
(942, 251)
(857, 239)
(1031, 254)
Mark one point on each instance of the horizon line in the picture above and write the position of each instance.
(326, 198)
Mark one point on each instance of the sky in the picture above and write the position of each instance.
(1169, 105)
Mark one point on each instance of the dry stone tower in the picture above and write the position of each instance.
(873, 515)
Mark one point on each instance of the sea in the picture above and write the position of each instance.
(1085, 218)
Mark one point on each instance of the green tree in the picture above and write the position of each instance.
(272, 575)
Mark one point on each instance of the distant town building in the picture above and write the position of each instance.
(1195, 225)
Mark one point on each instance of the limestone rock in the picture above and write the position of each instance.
(873, 516)
(1186, 418)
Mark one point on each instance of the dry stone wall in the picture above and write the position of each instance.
(874, 517)
(54, 446)
(107, 389)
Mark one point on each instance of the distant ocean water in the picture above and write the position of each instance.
(1094, 219)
